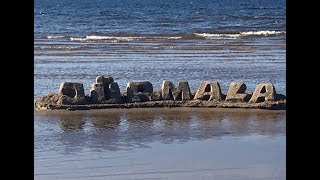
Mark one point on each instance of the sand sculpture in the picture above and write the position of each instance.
(105, 93)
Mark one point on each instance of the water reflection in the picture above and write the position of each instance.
(141, 128)
(209, 125)
(104, 132)
(71, 123)
(106, 122)
(122, 129)
(176, 126)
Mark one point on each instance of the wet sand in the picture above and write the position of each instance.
(159, 110)
(160, 143)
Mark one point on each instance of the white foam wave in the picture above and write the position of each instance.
(59, 47)
(128, 38)
(54, 37)
(217, 36)
(77, 39)
(112, 38)
(178, 37)
(165, 37)
(118, 38)
(237, 35)
(265, 33)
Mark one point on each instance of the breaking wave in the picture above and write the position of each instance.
(55, 37)
(238, 35)
(170, 37)
(121, 38)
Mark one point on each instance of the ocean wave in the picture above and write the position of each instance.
(55, 37)
(172, 37)
(217, 36)
(166, 37)
(265, 33)
(101, 38)
(58, 48)
(240, 34)
(122, 38)
(77, 39)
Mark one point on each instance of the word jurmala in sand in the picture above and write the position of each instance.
(105, 93)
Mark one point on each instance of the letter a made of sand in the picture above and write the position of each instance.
(263, 92)
(236, 92)
(209, 90)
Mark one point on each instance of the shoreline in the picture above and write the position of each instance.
(165, 109)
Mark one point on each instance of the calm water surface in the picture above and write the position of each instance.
(160, 144)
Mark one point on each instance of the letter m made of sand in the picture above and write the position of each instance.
(170, 92)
